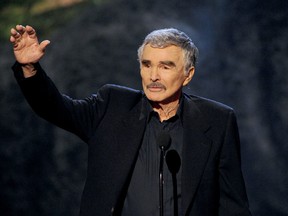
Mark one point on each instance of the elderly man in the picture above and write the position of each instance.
(122, 127)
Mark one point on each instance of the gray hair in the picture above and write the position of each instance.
(170, 36)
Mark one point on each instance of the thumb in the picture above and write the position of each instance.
(44, 44)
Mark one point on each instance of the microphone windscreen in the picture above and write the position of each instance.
(173, 161)
(164, 140)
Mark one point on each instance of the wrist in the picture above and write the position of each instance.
(28, 69)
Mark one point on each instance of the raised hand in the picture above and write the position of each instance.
(26, 47)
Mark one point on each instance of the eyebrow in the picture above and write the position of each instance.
(145, 61)
(168, 63)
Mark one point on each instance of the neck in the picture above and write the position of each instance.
(166, 111)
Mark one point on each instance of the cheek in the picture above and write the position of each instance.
(142, 73)
(175, 84)
(142, 76)
(143, 79)
(145, 76)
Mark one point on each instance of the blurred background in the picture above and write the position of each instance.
(243, 63)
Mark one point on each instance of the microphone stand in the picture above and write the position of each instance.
(161, 180)
(175, 199)
(164, 142)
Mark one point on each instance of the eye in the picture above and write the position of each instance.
(146, 64)
(165, 67)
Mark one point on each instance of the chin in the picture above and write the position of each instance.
(156, 99)
(153, 98)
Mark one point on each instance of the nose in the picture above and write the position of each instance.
(154, 74)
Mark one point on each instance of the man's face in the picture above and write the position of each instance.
(162, 72)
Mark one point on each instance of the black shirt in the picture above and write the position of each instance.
(143, 192)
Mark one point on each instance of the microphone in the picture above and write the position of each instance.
(173, 162)
(164, 142)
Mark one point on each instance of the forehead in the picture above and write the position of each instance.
(172, 53)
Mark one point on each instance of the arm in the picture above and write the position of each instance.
(77, 116)
(80, 117)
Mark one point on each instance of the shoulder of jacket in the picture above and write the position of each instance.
(120, 96)
(120, 89)
(206, 104)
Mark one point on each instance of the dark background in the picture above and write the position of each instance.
(243, 63)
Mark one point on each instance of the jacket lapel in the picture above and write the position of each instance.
(129, 138)
(196, 151)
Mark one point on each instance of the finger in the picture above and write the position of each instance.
(21, 29)
(14, 36)
(14, 33)
(31, 31)
(12, 39)
(44, 44)
(28, 27)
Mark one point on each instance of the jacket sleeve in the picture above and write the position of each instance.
(80, 117)
(233, 198)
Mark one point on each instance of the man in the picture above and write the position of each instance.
(121, 127)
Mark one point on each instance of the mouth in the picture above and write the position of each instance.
(155, 89)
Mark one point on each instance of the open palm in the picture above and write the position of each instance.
(26, 46)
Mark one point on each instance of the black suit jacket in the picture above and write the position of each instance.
(109, 122)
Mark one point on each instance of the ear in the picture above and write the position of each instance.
(189, 76)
